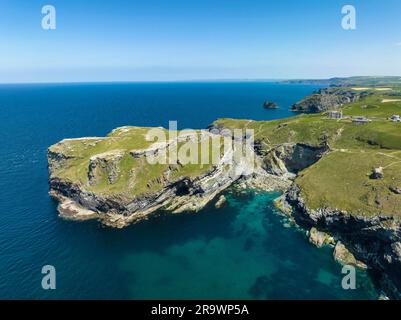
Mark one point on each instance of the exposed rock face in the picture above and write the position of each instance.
(284, 207)
(376, 241)
(56, 160)
(291, 158)
(178, 194)
(105, 163)
(377, 173)
(220, 202)
(269, 172)
(270, 105)
(319, 239)
(328, 99)
(185, 194)
(396, 190)
(344, 256)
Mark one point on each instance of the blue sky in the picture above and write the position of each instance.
(153, 40)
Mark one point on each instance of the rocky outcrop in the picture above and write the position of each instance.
(177, 194)
(373, 240)
(328, 99)
(220, 202)
(342, 255)
(104, 164)
(396, 190)
(291, 158)
(319, 239)
(185, 194)
(377, 173)
(57, 160)
(270, 105)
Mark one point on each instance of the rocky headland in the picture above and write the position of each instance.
(328, 99)
(120, 187)
(323, 167)
(373, 242)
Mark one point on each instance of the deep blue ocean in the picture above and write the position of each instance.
(242, 251)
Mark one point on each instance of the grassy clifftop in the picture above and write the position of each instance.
(116, 165)
(341, 179)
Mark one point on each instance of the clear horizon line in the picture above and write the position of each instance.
(165, 81)
(185, 80)
(155, 81)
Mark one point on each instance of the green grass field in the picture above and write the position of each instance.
(341, 179)
(136, 176)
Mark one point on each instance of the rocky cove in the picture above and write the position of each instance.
(322, 167)
(375, 242)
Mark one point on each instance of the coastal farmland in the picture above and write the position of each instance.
(342, 178)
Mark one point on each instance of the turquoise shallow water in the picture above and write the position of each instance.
(240, 251)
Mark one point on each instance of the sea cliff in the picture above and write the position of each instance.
(328, 99)
(119, 186)
(375, 241)
(323, 166)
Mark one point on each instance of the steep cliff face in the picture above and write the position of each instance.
(376, 241)
(109, 179)
(120, 186)
(57, 160)
(104, 164)
(361, 212)
(328, 99)
(184, 194)
(291, 158)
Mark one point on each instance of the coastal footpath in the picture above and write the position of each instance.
(341, 180)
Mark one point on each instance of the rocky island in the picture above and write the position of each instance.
(270, 105)
(323, 167)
